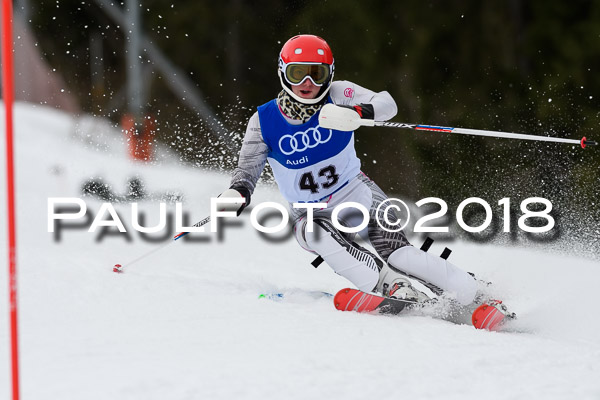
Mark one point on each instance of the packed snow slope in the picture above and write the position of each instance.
(186, 321)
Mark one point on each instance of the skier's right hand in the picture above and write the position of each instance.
(239, 193)
(346, 118)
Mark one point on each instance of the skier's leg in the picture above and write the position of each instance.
(383, 237)
(358, 265)
(391, 283)
(402, 259)
(434, 272)
(344, 256)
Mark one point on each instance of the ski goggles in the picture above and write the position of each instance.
(295, 74)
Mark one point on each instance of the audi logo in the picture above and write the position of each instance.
(301, 141)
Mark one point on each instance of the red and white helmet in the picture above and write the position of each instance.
(306, 57)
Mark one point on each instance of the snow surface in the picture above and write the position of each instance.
(186, 322)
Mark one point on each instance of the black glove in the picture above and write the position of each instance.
(235, 192)
(365, 111)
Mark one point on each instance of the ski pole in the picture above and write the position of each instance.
(196, 225)
(583, 142)
(119, 267)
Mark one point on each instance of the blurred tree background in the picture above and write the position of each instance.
(516, 66)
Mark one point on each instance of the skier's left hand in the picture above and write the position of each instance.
(346, 118)
(240, 197)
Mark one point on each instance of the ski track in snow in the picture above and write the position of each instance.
(186, 322)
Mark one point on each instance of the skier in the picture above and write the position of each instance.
(306, 134)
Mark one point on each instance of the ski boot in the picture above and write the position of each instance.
(394, 285)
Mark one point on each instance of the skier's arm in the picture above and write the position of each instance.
(251, 162)
(379, 106)
(354, 106)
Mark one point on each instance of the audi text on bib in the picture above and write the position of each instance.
(309, 162)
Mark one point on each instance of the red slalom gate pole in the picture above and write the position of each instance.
(8, 95)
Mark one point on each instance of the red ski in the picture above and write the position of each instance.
(486, 316)
(356, 300)
(490, 316)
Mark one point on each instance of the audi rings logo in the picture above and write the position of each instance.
(301, 141)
